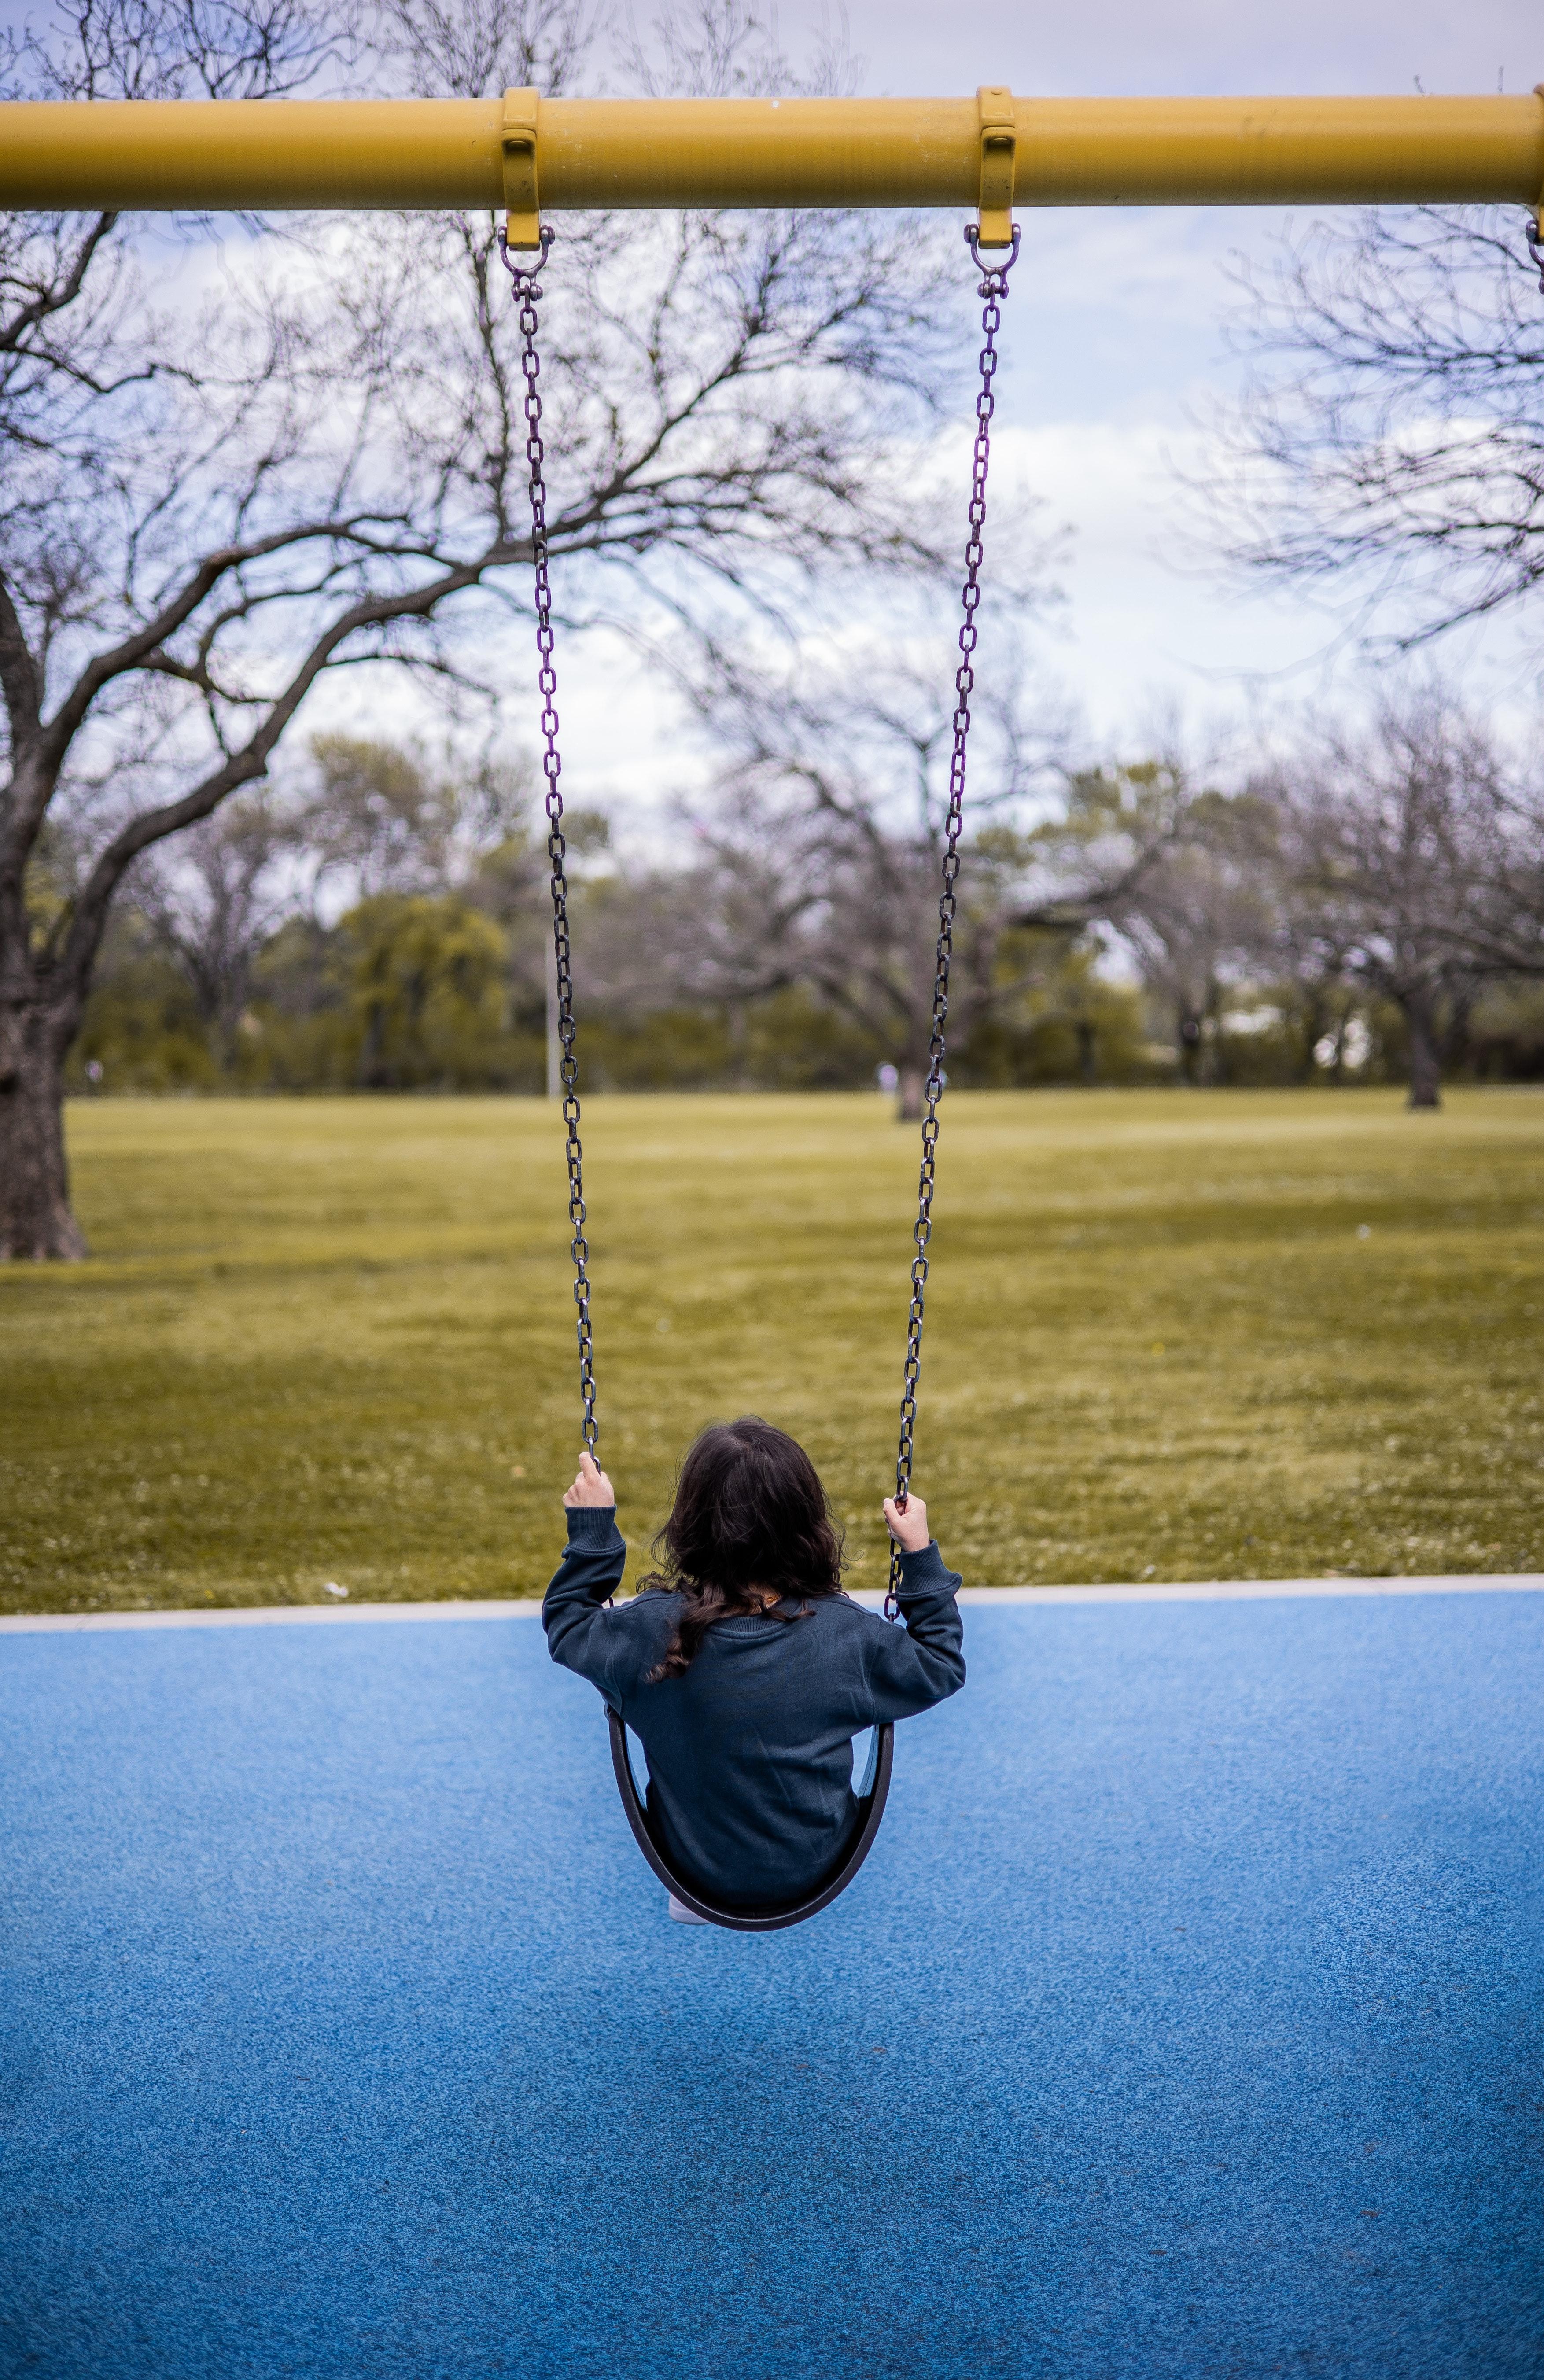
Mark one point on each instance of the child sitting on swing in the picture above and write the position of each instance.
(741, 1666)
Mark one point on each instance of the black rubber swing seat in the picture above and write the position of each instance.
(854, 1851)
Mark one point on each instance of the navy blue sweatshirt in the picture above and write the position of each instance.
(750, 1753)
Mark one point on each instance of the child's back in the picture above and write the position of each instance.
(746, 1690)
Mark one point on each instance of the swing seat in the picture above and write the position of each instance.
(871, 1799)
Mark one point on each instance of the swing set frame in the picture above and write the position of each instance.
(529, 156)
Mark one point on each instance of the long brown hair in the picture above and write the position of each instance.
(751, 1522)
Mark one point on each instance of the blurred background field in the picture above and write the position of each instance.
(1170, 1335)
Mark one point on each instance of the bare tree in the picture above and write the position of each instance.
(184, 557)
(1144, 852)
(1499, 924)
(1393, 439)
(823, 856)
(214, 900)
(1402, 866)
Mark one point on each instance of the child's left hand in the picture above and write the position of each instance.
(907, 1524)
(592, 1487)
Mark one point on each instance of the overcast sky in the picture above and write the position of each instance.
(1188, 47)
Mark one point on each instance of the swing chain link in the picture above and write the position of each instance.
(994, 289)
(1535, 233)
(528, 293)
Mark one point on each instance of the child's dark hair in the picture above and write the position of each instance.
(749, 1514)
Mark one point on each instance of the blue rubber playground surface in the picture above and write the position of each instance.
(1185, 2019)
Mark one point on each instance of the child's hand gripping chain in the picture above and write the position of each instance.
(907, 1524)
(592, 1487)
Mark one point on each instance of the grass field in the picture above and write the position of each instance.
(1169, 1335)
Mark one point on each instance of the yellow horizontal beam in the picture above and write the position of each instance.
(760, 153)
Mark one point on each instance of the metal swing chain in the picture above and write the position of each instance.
(993, 289)
(528, 291)
(1534, 232)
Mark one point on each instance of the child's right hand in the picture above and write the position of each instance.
(909, 1528)
(591, 1488)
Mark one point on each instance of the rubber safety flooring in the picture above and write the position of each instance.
(1185, 2021)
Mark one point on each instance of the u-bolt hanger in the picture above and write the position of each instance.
(522, 223)
(999, 132)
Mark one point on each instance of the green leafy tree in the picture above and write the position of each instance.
(428, 992)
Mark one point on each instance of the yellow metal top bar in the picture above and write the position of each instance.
(767, 152)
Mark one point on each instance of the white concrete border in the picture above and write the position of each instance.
(1243, 1590)
(262, 1615)
(1262, 1590)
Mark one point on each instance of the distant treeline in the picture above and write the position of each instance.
(1369, 914)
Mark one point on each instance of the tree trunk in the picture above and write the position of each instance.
(1088, 1060)
(35, 1220)
(909, 1110)
(1313, 1033)
(372, 1069)
(1454, 1043)
(739, 1042)
(1426, 1072)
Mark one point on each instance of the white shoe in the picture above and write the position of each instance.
(683, 1915)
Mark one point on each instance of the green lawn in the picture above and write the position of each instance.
(1169, 1335)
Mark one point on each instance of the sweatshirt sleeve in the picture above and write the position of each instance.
(580, 1631)
(912, 1667)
